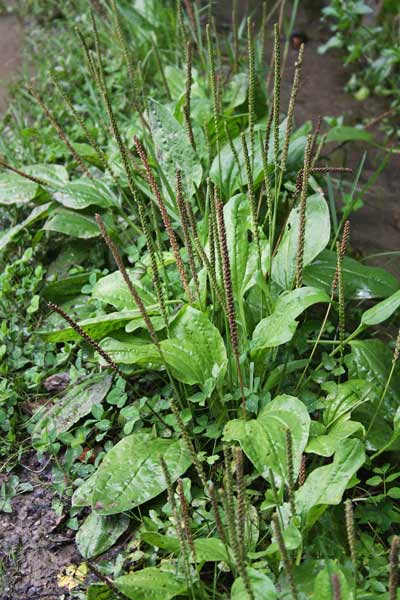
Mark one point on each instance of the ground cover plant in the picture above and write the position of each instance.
(227, 411)
(369, 38)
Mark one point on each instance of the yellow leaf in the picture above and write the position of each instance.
(72, 576)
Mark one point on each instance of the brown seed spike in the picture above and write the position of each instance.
(164, 215)
(82, 333)
(394, 568)
(217, 516)
(188, 89)
(276, 526)
(186, 519)
(303, 470)
(60, 131)
(230, 302)
(137, 299)
(186, 230)
(337, 595)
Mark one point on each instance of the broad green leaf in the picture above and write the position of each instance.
(98, 533)
(196, 351)
(83, 494)
(72, 224)
(96, 327)
(305, 575)
(53, 175)
(62, 288)
(372, 360)
(38, 213)
(236, 92)
(323, 587)
(85, 192)
(207, 549)
(139, 323)
(281, 325)
(381, 311)
(173, 148)
(276, 374)
(15, 189)
(292, 538)
(393, 442)
(297, 301)
(176, 81)
(263, 440)
(113, 290)
(326, 485)
(243, 255)
(237, 224)
(130, 350)
(76, 403)
(317, 220)
(100, 591)
(327, 444)
(343, 398)
(360, 282)
(151, 584)
(343, 133)
(262, 586)
(131, 474)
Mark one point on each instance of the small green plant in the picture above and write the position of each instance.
(370, 43)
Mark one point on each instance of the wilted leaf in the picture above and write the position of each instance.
(72, 576)
(76, 403)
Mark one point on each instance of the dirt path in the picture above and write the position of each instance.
(11, 40)
(376, 227)
(33, 549)
(34, 545)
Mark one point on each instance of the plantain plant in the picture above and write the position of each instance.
(238, 316)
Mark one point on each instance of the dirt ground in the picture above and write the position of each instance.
(376, 227)
(34, 546)
(11, 40)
